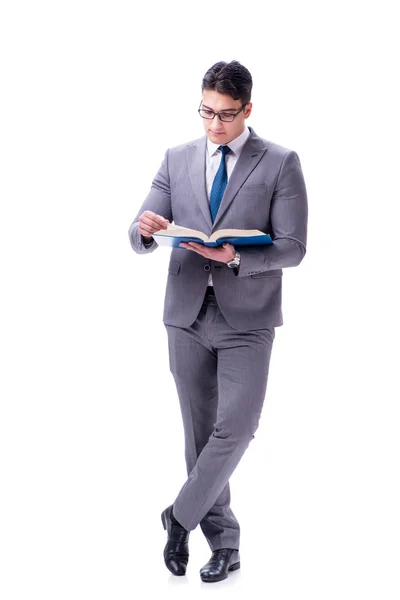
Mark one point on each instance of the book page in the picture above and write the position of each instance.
(234, 233)
(179, 231)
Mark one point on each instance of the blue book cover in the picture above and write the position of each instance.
(175, 234)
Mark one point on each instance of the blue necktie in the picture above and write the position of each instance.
(219, 183)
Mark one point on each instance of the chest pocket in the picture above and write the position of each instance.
(254, 190)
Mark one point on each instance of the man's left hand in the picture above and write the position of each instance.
(223, 253)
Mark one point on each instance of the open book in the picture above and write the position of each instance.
(174, 234)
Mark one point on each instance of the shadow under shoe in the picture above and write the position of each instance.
(221, 562)
(176, 551)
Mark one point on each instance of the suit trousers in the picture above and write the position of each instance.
(221, 379)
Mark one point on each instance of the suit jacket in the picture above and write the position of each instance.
(265, 191)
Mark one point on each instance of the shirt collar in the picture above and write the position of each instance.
(235, 145)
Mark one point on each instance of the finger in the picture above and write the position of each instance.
(154, 222)
(146, 229)
(188, 246)
(159, 220)
(199, 248)
(151, 219)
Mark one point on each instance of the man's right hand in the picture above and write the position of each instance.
(149, 223)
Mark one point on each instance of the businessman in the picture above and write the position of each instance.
(221, 304)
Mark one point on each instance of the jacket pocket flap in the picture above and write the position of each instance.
(274, 273)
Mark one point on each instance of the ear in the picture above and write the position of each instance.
(247, 110)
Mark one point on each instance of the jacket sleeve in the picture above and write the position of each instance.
(158, 201)
(288, 216)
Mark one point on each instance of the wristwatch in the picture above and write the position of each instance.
(235, 262)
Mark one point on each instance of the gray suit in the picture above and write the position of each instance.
(220, 346)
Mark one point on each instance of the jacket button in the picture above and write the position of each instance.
(207, 267)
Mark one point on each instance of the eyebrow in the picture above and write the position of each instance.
(223, 110)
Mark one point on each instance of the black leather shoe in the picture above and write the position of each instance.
(176, 552)
(221, 561)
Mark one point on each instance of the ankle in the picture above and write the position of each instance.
(175, 521)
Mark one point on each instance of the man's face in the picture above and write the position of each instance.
(222, 132)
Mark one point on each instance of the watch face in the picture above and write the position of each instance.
(235, 262)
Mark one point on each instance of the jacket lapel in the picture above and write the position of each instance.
(250, 156)
(196, 155)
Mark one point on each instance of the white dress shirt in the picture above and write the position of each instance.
(213, 159)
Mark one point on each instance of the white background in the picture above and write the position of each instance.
(92, 94)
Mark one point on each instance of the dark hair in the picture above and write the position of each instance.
(231, 78)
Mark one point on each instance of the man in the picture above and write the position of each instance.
(221, 304)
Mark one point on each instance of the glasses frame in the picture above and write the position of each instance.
(218, 114)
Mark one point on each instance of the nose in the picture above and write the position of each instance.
(217, 124)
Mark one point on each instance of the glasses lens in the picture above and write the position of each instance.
(206, 114)
(226, 117)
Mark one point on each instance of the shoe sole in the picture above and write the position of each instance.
(231, 568)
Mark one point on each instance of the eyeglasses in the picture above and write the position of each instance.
(224, 116)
